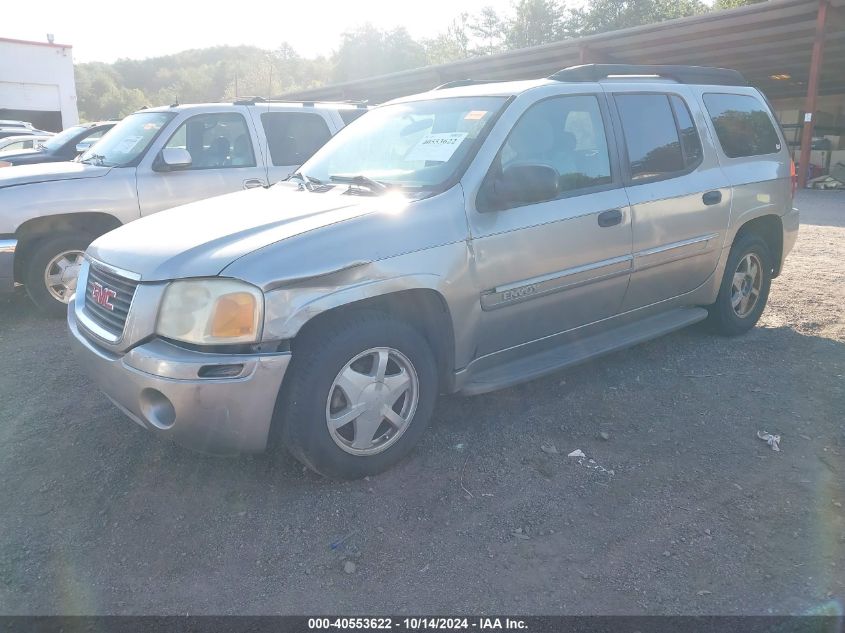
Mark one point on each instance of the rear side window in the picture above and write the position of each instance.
(651, 137)
(294, 136)
(690, 143)
(350, 115)
(742, 124)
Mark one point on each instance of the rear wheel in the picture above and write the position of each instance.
(745, 287)
(51, 271)
(358, 395)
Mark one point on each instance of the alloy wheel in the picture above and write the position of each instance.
(61, 274)
(372, 401)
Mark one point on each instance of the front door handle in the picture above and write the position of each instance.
(252, 183)
(610, 218)
(712, 197)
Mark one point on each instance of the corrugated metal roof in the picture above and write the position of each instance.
(759, 40)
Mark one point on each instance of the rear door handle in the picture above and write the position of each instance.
(712, 197)
(252, 183)
(610, 218)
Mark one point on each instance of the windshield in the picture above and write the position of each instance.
(57, 141)
(127, 140)
(418, 144)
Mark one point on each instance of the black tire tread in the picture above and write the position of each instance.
(721, 316)
(313, 356)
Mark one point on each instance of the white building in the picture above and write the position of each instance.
(37, 84)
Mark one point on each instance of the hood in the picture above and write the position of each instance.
(46, 172)
(201, 238)
(31, 157)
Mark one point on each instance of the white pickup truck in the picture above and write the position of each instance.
(154, 159)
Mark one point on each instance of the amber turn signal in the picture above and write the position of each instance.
(234, 315)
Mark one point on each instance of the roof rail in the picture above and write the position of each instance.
(310, 103)
(681, 74)
(463, 82)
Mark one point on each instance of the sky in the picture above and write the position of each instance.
(106, 31)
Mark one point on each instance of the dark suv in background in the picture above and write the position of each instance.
(65, 145)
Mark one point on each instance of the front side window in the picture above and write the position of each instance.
(215, 140)
(127, 141)
(566, 133)
(417, 144)
(651, 137)
(58, 141)
(293, 137)
(742, 124)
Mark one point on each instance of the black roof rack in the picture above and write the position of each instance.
(463, 82)
(681, 74)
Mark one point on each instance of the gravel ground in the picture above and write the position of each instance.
(697, 516)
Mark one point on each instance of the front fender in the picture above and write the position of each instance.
(113, 194)
(288, 309)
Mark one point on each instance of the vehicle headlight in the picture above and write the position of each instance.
(211, 312)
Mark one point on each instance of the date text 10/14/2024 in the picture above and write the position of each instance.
(417, 624)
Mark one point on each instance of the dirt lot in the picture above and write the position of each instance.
(698, 516)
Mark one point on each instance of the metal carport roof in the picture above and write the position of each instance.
(760, 40)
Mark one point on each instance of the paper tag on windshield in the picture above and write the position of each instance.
(437, 147)
(475, 115)
(127, 144)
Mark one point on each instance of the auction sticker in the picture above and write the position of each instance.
(437, 147)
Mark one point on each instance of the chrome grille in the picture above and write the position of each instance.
(112, 320)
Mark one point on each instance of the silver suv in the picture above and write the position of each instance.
(461, 240)
(152, 160)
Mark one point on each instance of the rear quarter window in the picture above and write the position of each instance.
(294, 136)
(743, 125)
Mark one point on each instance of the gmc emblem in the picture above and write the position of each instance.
(103, 295)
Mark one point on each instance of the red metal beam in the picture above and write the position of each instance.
(812, 94)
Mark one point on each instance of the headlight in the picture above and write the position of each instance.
(211, 312)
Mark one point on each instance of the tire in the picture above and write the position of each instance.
(725, 317)
(43, 255)
(319, 358)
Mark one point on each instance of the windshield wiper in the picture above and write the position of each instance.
(362, 181)
(306, 180)
(98, 158)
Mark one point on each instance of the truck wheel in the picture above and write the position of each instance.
(358, 395)
(52, 269)
(745, 287)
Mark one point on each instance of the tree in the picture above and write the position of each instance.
(535, 22)
(733, 4)
(368, 51)
(101, 95)
(488, 28)
(451, 45)
(609, 15)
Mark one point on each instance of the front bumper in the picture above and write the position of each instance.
(159, 386)
(7, 265)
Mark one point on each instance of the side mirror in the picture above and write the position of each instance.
(526, 184)
(174, 159)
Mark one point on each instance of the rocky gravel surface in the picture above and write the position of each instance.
(677, 506)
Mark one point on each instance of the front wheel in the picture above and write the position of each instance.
(745, 287)
(359, 393)
(51, 271)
